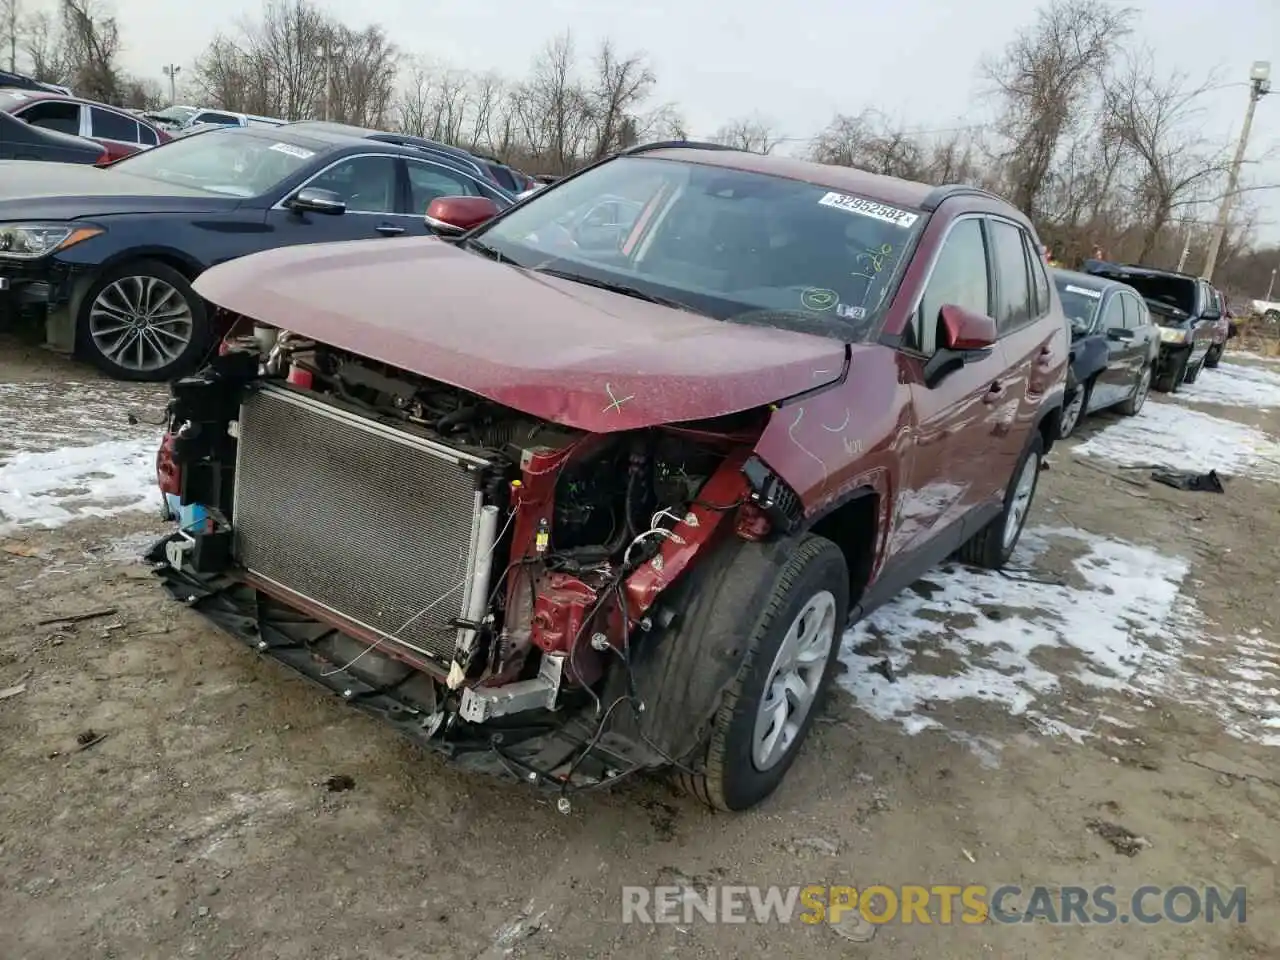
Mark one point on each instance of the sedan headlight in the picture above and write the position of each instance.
(1172, 335)
(29, 241)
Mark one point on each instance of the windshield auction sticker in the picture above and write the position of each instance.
(869, 208)
(1084, 291)
(301, 153)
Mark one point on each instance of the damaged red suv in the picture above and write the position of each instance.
(566, 501)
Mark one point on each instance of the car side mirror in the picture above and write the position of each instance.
(965, 336)
(454, 216)
(1120, 333)
(315, 200)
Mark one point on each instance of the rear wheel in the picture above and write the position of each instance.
(142, 321)
(767, 710)
(1133, 406)
(1175, 368)
(1213, 356)
(1074, 409)
(994, 544)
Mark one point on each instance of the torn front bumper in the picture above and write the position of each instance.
(561, 751)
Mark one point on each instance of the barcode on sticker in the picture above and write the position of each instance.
(1084, 292)
(301, 153)
(869, 208)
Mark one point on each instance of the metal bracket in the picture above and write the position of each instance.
(484, 703)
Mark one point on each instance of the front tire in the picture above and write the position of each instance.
(142, 321)
(994, 544)
(1193, 371)
(1074, 410)
(1170, 378)
(1133, 406)
(767, 710)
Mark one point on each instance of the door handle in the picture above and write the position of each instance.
(1045, 359)
(994, 392)
(389, 230)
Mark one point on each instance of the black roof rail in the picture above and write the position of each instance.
(949, 190)
(672, 144)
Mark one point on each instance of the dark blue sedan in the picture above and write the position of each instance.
(104, 258)
(1114, 345)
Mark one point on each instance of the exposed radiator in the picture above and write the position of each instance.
(366, 520)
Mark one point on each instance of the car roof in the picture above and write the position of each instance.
(1090, 281)
(1140, 271)
(903, 193)
(22, 95)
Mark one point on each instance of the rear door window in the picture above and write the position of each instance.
(959, 278)
(53, 115)
(1013, 287)
(109, 125)
(1039, 277)
(430, 181)
(147, 135)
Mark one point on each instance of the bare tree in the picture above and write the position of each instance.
(92, 40)
(1153, 118)
(141, 93)
(1045, 78)
(754, 134)
(621, 84)
(10, 28)
(43, 45)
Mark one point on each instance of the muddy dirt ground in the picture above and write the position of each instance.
(199, 819)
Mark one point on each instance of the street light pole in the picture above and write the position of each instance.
(1270, 286)
(171, 71)
(1259, 87)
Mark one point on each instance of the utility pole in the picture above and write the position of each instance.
(1186, 247)
(1270, 286)
(171, 71)
(1259, 87)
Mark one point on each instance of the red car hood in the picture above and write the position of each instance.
(555, 349)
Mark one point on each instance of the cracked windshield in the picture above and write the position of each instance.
(735, 245)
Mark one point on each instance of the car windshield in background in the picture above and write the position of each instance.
(228, 162)
(1079, 302)
(730, 244)
(174, 114)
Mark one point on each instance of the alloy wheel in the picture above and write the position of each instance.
(1020, 502)
(1071, 413)
(1144, 387)
(141, 323)
(793, 681)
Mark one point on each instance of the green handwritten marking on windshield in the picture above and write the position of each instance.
(816, 298)
(874, 257)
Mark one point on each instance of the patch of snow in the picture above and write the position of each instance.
(68, 451)
(1234, 385)
(1182, 439)
(1120, 622)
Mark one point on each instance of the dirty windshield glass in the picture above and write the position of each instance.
(733, 245)
(1079, 302)
(229, 162)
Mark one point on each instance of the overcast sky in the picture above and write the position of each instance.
(795, 62)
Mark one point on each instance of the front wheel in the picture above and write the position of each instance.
(1133, 406)
(993, 545)
(1172, 372)
(142, 321)
(767, 710)
(1193, 371)
(1074, 410)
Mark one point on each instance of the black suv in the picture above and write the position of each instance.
(1186, 310)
